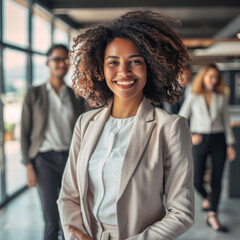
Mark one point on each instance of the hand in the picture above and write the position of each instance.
(231, 154)
(76, 232)
(31, 176)
(196, 139)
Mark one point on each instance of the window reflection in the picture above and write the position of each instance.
(60, 33)
(40, 69)
(73, 34)
(41, 29)
(14, 66)
(15, 28)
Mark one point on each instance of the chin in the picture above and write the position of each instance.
(128, 97)
(61, 76)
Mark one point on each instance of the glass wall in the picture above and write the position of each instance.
(60, 33)
(40, 69)
(15, 28)
(41, 30)
(26, 33)
(15, 85)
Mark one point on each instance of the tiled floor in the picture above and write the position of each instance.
(22, 219)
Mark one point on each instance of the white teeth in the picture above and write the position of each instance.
(126, 83)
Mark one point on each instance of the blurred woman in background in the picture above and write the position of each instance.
(207, 109)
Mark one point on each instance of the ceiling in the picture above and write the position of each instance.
(209, 27)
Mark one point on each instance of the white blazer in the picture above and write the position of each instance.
(204, 121)
(158, 162)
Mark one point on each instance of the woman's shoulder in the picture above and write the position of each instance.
(88, 116)
(168, 124)
(221, 95)
(193, 95)
(84, 119)
(166, 118)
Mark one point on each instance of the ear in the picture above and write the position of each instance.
(47, 63)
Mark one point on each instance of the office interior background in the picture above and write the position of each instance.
(210, 30)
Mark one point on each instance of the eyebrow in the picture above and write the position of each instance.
(132, 56)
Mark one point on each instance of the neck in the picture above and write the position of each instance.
(56, 83)
(208, 93)
(123, 108)
(207, 89)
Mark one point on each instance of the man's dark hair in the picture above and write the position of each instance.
(56, 46)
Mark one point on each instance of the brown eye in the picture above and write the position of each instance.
(113, 63)
(135, 61)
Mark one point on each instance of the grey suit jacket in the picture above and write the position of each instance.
(204, 121)
(34, 119)
(158, 162)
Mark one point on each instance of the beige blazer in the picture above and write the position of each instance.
(158, 162)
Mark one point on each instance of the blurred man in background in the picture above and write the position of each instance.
(48, 117)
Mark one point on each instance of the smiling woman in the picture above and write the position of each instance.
(126, 156)
(155, 41)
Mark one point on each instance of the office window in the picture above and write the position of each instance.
(68, 77)
(60, 33)
(15, 84)
(40, 69)
(15, 22)
(73, 34)
(41, 29)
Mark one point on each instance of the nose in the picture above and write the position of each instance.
(62, 63)
(214, 80)
(124, 69)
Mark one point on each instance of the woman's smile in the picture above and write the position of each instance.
(125, 83)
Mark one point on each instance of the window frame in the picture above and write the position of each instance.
(4, 197)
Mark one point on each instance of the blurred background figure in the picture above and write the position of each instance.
(49, 114)
(186, 85)
(186, 81)
(206, 108)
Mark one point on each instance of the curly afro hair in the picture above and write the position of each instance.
(160, 46)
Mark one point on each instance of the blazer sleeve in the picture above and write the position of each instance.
(230, 139)
(178, 187)
(185, 110)
(69, 200)
(26, 127)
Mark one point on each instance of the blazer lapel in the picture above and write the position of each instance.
(204, 106)
(141, 133)
(94, 129)
(73, 100)
(213, 106)
(43, 108)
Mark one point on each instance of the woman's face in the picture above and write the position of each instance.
(210, 79)
(125, 69)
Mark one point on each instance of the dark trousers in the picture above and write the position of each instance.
(215, 146)
(49, 167)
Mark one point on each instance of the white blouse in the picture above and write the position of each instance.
(105, 168)
(58, 133)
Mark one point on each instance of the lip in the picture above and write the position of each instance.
(62, 69)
